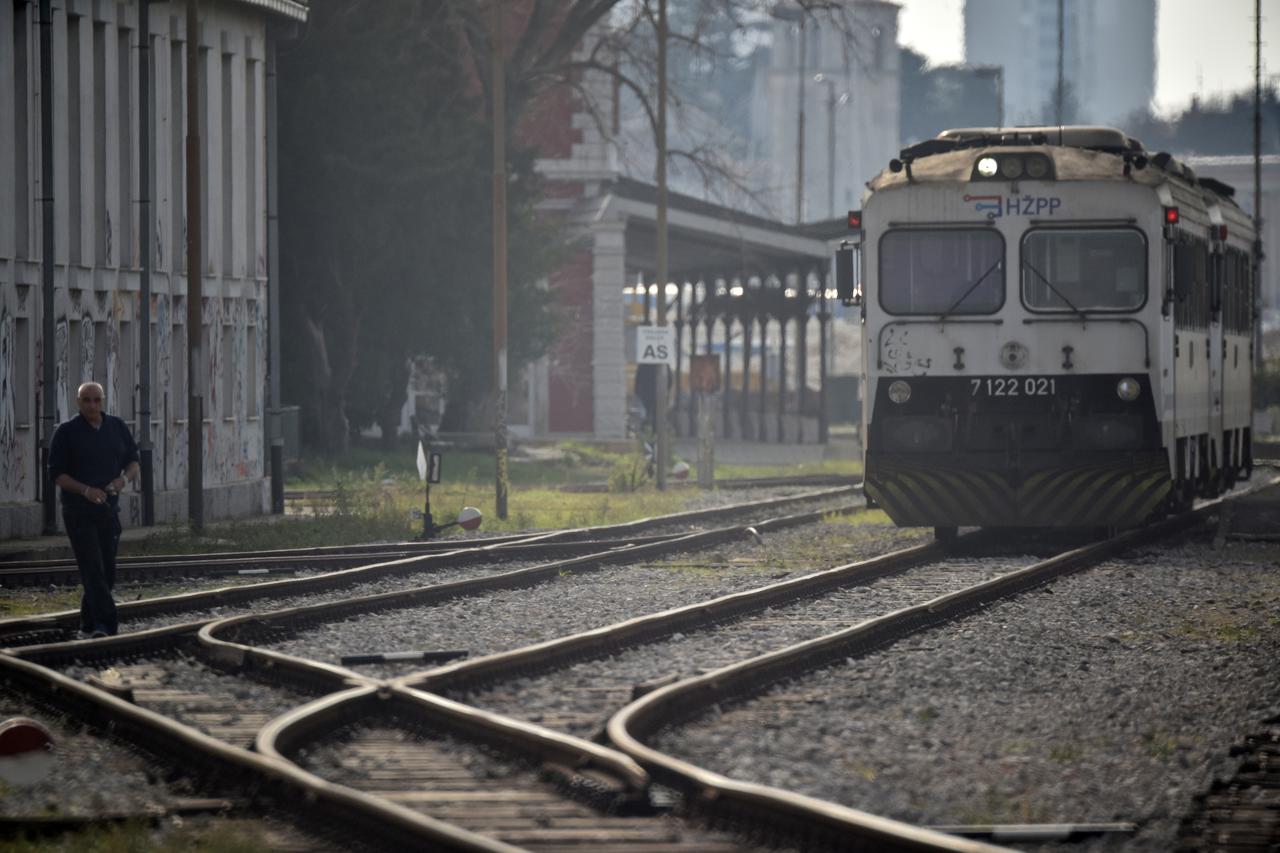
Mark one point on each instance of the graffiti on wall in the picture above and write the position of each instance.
(12, 464)
(233, 443)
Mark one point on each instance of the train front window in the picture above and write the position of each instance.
(937, 271)
(1084, 270)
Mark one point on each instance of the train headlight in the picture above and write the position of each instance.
(987, 167)
(899, 391)
(1011, 167)
(1128, 389)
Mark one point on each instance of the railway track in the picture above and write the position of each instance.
(758, 688)
(388, 575)
(574, 684)
(404, 763)
(280, 562)
(181, 694)
(1241, 813)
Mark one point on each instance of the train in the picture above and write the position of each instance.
(1057, 331)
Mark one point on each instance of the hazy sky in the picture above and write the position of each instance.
(1198, 51)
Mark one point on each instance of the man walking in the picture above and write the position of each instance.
(91, 458)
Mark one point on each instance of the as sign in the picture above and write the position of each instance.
(655, 345)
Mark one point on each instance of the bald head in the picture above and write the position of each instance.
(89, 400)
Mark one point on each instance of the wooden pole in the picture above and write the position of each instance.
(501, 481)
(664, 435)
(195, 279)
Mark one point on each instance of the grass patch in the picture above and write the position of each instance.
(220, 836)
(999, 807)
(835, 467)
(40, 601)
(1224, 628)
(379, 511)
(1160, 745)
(860, 518)
(564, 463)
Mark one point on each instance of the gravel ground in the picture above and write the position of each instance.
(506, 619)
(92, 776)
(216, 702)
(580, 699)
(89, 775)
(389, 583)
(1110, 696)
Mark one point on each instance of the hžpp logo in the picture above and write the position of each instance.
(995, 206)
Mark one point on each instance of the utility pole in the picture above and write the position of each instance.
(501, 484)
(49, 378)
(1257, 184)
(144, 245)
(1058, 94)
(664, 436)
(276, 427)
(195, 281)
(800, 126)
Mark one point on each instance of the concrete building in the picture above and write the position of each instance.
(1109, 56)
(845, 81)
(97, 263)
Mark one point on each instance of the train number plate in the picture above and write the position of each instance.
(1014, 386)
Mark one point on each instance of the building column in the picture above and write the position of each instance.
(609, 358)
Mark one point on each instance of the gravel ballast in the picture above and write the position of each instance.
(579, 699)
(1113, 695)
(506, 619)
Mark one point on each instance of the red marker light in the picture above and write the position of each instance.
(1171, 216)
(855, 220)
(1222, 232)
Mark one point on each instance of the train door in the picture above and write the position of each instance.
(1191, 381)
(1217, 349)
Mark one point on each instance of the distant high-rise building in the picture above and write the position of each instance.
(850, 69)
(1108, 62)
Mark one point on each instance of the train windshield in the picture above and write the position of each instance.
(942, 271)
(1084, 269)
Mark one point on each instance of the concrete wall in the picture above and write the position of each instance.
(96, 239)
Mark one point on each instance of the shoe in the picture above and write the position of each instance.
(97, 635)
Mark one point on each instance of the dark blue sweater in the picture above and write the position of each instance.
(95, 457)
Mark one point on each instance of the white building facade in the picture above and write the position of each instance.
(1109, 56)
(97, 262)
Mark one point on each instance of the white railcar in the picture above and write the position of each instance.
(1057, 331)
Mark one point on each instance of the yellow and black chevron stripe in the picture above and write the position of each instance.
(1122, 491)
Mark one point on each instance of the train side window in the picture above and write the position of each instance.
(1191, 284)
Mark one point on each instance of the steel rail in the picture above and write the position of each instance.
(360, 818)
(69, 575)
(597, 642)
(66, 621)
(316, 551)
(839, 486)
(293, 618)
(824, 824)
(285, 735)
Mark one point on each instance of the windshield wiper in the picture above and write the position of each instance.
(1084, 318)
(972, 287)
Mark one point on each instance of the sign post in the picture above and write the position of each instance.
(428, 473)
(656, 345)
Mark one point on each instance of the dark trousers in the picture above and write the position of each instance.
(95, 537)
